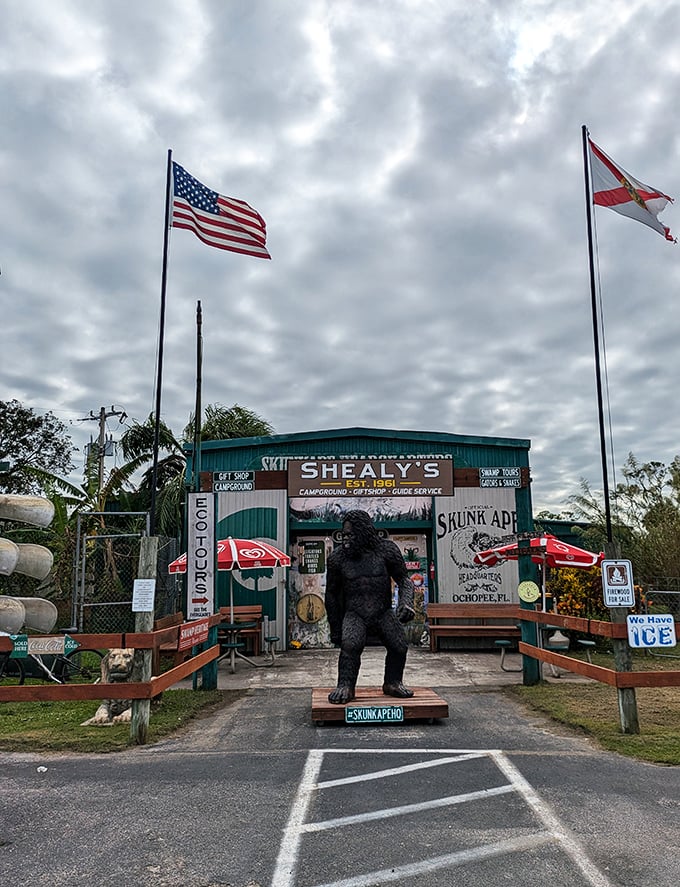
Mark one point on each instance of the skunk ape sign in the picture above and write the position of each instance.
(471, 521)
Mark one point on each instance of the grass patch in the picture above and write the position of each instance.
(55, 726)
(593, 709)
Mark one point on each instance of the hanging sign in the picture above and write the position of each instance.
(19, 646)
(370, 477)
(200, 555)
(192, 633)
(617, 583)
(312, 556)
(651, 630)
(528, 592)
(233, 481)
(500, 477)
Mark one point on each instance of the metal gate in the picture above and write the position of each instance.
(663, 594)
(105, 568)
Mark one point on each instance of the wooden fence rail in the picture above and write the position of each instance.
(151, 640)
(148, 640)
(597, 627)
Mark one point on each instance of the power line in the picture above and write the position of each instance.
(104, 414)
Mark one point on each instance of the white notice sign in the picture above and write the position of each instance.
(143, 594)
(617, 583)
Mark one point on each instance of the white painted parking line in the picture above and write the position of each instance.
(388, 812)
(284, 873)
(449, 860)
(553, 833)
(568, 843)
(395, 771)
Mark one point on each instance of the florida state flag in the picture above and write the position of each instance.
(615, 188)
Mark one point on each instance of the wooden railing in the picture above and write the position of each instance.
(148, 640)
(597, 627)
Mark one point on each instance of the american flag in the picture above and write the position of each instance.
(216, 220)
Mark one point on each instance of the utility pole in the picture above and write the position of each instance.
(104, 414)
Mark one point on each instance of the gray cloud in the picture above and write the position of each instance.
(419, 167)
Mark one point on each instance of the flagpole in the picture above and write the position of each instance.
(596, 338)
(199, 385)
(161, 336)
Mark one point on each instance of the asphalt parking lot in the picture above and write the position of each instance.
(257, 794)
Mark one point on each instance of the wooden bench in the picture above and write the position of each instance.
(246, 613)
(472, 621)
(170, 648)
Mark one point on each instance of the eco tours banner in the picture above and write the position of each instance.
(470, 521)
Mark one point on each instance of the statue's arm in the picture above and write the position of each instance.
(335, 606)
(398, 572)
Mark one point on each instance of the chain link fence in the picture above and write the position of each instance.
(663, 596)
(105, 568)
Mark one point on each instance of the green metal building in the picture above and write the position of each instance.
(440, 497)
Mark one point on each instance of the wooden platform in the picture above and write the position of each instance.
(371, 706)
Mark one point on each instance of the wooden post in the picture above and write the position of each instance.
(206, 677)
(531, 668)
(141, 670)
(623, 661)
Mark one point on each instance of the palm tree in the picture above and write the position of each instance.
(228, 423)
(220, 423)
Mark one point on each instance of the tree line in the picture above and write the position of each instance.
(40, 453)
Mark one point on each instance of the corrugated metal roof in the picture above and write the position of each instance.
(475, 451)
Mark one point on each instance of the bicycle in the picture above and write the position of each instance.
(82, 665)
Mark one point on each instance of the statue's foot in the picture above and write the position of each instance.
(341, 695)
(397, 689)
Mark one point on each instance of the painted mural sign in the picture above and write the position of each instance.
(471, 521)
(307, 619)
(372, 478)
(413, 547)
(260, 513)
(332, 510)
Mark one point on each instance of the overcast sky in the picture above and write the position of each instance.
(419, 167)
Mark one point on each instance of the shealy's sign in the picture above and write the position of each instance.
(370, 477)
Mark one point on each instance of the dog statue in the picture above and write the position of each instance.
(116, 668)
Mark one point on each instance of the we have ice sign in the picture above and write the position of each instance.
(651, 630)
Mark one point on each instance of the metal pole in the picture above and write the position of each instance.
(623, 661)
(161, 336)
(596, 339)
(199, 383)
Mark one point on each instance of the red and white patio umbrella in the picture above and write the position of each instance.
(547, 550)
(239, 554)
